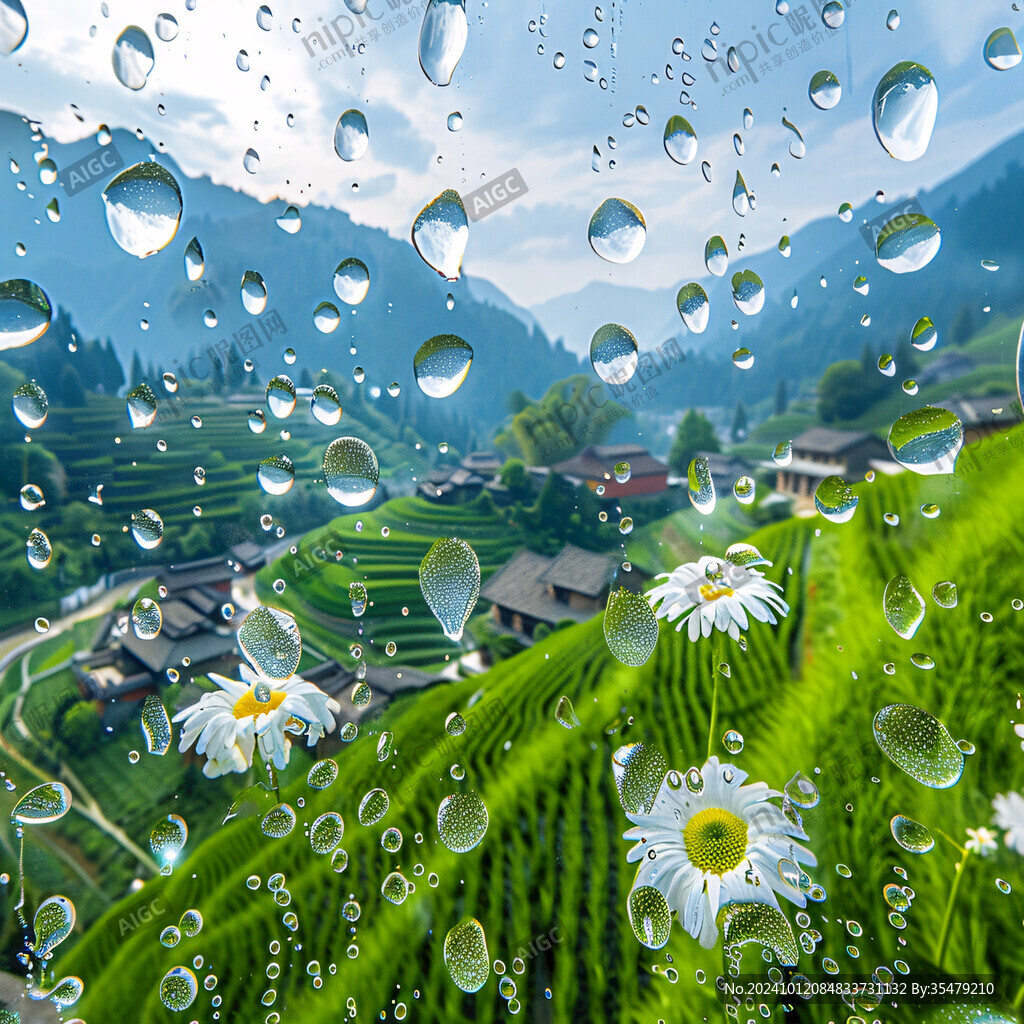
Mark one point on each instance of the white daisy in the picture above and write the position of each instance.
(228, 724)
(722, 845)
(1010, 816)
(981, 841)
(716, 593)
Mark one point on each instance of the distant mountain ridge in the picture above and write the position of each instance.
(76, 260)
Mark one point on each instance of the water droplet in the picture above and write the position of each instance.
(440, 233)
(692, 303)
(927, 440)
(170, 936)
(29, 402)
(832, 14)
(919, 744)
(441, 364)
(143, 208)
(269, 638)
(373, 807)
(322, 774)
(326, 832)
(168, 838)
(892, 21)
(701, 485)
(42, 804)
(733, 742)
(649, 916)
(351, 471)
(38, 549)
(450, 583)
(905, 103)
(740, 196)
(443, 35)
(133, 57)
(903, 606)
(52, 924)
(680, 140)
(835, 500)
(465, 955)
(824, 90)
(276, 474)
(278, 821)
(565, 713)
(13, 26)
(912, 836)
(31, 497)
(462, 821)
(1002, 50)
(748, 292)
(716, 256)
(178, 988)
(630, 627)
(25, 314)
(613, 354)
(797, 148)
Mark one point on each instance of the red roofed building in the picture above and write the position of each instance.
(595, 466)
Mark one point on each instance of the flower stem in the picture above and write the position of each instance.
(273, 781)
(947, 919)
(952, 842)
(713, 723)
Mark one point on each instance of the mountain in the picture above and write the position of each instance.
(976, 210)
(108, 292)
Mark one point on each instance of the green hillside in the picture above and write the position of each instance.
(803, 696)
(383, 550)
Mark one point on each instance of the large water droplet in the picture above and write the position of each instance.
(143, 208)
(944, 594)
(13, 25)
(351, 471)
(762, 924)
(351, 281)
(465, 955)
(450, 582)
(373, 807)
(156, 726)
(326, 832)
(630, 627)
(913, 837)
(740, 196)
(178, 988)
(1002, 51)
(462, 821)
(168, 838)
(907, 243)
(25, 314)
(903, 606)
(38, 549)
(904, 107)
(443, 35)
(617, 231)
(440, 233)
(43, 804)
(133, 57)
(194, 262)
(276, 474)
(270, 639)
(824, 90)
(254, 292)
(147, 528)
(919, 744)
(52, 924)
(680, 139)
(441, 364)
(281, 396)
(351, 135)
(141, 406)
(835, 500)
(613, 354)
(748, 292)
(927, 440)
(649, 916)
(565, 713)
(29, 402)
(325, 405)
(701, 486)
(692, 303)
(278, 822)
(716, 256)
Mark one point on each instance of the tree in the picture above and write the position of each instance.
(963, 326)
(739, 424)
(136, 375)
(515, 478)
(694, 434)
(781, 397)
(69, 386)
(846, 391)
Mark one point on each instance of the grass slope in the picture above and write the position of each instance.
(803, 695)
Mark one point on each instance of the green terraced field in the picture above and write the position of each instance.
(803, 696)
(317, 593)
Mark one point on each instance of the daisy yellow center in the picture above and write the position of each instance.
(247, 706)
(712, 592)
(715, 840)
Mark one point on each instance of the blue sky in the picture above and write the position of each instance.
(520, 111)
